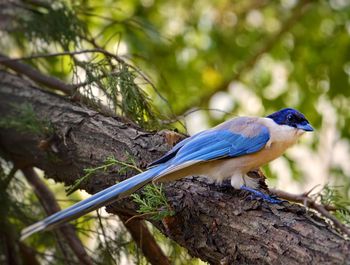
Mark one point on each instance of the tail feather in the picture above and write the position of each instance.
(94, 202)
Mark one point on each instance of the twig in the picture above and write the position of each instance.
(69, 88)
(191, 111)
(309, 202)
(139, 216)
(128, 165)
(50, 205)
(36, 76)
(109, 249)
(10, 176)
(302, 198)
(50, 82)
(335, 221)
(4, 59)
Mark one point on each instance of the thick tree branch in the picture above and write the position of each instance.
(217, 225)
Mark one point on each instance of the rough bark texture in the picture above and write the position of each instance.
(216, 224)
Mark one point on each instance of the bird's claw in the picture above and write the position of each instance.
(256, 194)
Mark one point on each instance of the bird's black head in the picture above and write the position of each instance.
(292, 118)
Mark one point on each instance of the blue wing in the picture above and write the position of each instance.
(221, 144)
(217, 144)
(172, 153)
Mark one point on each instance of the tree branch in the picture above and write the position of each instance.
(56, 83)
(218, 226)
(309, 202)
(51, 82)
(50, 205)
(36, 76)
(302, 198)
(145, 241)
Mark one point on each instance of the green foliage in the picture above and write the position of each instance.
(26, 120)
(52, 23)
(332, 196)
(153, 202)
(88, 173)
(114, 243)
(59, 24)
(117, 80)
(108, 163)
(135, 103)
(18, 209)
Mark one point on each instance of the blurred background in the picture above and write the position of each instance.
(194, 64)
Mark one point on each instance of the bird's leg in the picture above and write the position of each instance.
(256, 194)
(258, 188)
(225, 185)
(257, 178)
(254, 183)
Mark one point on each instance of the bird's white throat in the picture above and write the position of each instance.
(281, 133)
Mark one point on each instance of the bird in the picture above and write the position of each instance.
(225, 152)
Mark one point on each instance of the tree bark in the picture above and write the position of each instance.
(215, 224)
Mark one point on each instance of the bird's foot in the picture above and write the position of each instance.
(256, 194)
(225, 186)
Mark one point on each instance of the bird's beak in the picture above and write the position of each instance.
(305, 127)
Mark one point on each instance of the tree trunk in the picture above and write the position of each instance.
(215, 224)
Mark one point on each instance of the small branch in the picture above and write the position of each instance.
(108, 248)
(9, 252)
(144, 240)
(36, 76)
(335, 221)
(68, 89)
(51, 82)
(4, 59)
(304, 199)
(309, 202)
(11, 62)
(191, 111)
(28, 254)
(50, 205)
(140, 216)
(10, 176)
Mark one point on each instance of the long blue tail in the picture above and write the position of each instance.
(102, 198)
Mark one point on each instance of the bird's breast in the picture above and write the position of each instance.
(264, 156)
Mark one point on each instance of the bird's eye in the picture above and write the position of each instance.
(289, 117)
